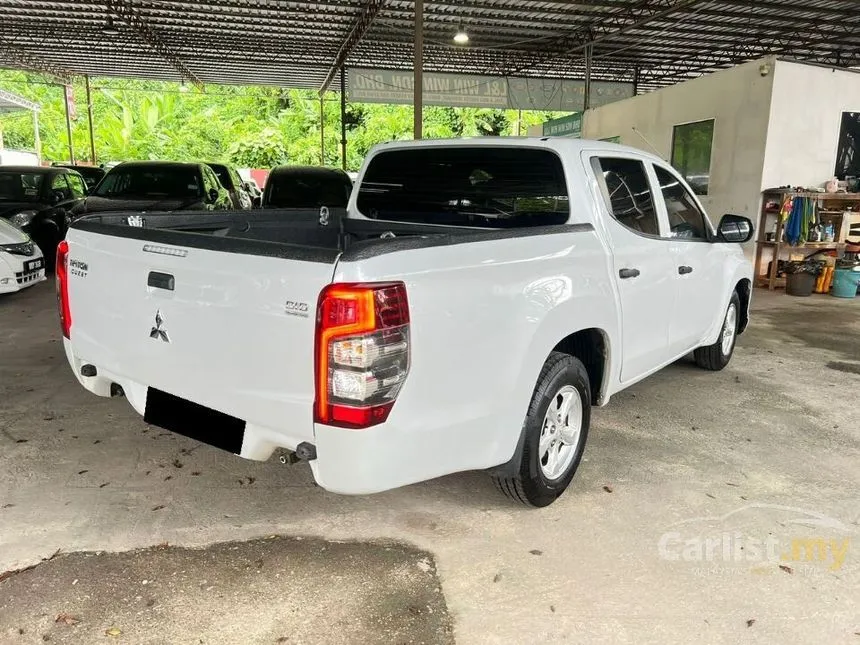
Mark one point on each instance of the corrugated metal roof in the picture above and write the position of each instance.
(296, 44)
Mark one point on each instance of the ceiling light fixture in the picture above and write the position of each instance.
(109, 28)
(461, 37)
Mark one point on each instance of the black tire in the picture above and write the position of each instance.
(713, 357)
(531, 486)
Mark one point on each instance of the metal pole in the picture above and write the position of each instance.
(520, 123)
(587, 97)
(69, 127)
(635, 80)
(37, 139)
(322, 129)
(418, 97)
(343, 117)
(90, 119)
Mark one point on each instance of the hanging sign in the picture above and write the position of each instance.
(467, 90)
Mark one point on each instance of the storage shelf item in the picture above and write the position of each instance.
(829, 206)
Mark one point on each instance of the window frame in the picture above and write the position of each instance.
(662, 221)
(710, 231)
(675, 127)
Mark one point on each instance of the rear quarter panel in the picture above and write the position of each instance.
(484, 318)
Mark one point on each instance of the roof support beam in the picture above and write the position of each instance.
(359, 28)
(126, 11)
(12, 55)
(608, 25)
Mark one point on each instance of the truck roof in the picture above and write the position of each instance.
(559, 144)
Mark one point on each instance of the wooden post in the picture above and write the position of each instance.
(418, 90)
(90, 119)
(343, 117)
(322, 129)
(69, 126)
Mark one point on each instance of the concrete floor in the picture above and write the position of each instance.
(686, 523)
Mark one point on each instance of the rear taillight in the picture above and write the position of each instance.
(362, 352)
(62, 271)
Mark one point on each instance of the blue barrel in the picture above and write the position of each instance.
(845, 283)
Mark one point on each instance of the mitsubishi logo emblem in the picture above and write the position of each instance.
(158, 331)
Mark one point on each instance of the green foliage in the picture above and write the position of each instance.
(248, 126)
(266, 150)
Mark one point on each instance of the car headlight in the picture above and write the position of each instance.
(23, 218)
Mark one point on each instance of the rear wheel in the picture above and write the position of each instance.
(556, 428)
(715, 357)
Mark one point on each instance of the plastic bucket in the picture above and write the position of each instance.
(800, 284)
(845, 283)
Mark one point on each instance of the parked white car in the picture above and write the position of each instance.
(473, 304)
(21, 262)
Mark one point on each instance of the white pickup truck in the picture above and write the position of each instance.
(468, 309)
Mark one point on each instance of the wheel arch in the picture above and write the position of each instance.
(592, 347)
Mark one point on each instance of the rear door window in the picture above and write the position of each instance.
(60, 185)
(481, 186)
(627, 192)
(78, 186)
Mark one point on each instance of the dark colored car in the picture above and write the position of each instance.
(306, 187)
(156, 186)
(92, 174)
(39, 200)
(230, 179)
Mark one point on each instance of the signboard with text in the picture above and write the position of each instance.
(464, 90)
(566, 126)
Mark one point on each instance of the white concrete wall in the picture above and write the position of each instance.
(739, 101)
(805, 118)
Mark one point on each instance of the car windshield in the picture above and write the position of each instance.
(477, 186)
(223, 175)
(177, 182)
(308, 190)
(20, 186)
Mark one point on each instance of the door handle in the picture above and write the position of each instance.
(628, 273)
(684, 270)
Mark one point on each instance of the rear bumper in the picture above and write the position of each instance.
(349, 462)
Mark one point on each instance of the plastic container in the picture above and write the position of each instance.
(845, 283)
(800, 284)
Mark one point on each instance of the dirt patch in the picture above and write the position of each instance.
(275, 590)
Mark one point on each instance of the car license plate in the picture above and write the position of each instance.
(33, 265)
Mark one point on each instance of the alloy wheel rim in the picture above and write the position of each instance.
(559, 437)
(729, 329)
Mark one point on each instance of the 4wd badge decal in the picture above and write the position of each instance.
(295, 308)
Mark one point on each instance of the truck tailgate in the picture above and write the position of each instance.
(231, 330)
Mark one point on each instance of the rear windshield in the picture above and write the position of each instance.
(20, 186)
(177, 182)
(307, 190)
(493, 187)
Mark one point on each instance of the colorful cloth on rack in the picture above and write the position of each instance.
(801, 220)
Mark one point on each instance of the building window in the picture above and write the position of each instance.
(848, 151)
(691, 153)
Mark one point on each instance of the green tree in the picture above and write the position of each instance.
(248, 126)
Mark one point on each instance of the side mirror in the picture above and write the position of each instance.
(57, 196)
(213, 195)
(735, 228)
